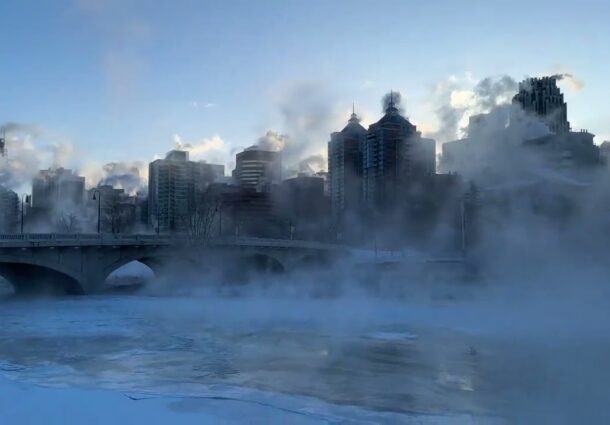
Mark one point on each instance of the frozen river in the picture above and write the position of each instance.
(342, 360)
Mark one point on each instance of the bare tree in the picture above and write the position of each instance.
(66, 222)
(201, 217)
(116, 217)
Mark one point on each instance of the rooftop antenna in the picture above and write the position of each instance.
(354, 117)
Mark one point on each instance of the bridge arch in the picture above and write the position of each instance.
(264, 263)
(40, 279)
(310, 260)
(160, 264)
(241, 267)
(132, 272)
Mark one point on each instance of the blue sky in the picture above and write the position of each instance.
(122, 80)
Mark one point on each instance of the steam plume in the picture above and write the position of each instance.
(396, 98)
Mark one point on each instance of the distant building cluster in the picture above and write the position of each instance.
(539, 101)
(381, 187)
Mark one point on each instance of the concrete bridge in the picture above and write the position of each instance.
(80, 263)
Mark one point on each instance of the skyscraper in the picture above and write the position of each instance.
(345, 166)
(257, 168)
(175, 184)
(542, 97)
(395, 155)
(9, 210)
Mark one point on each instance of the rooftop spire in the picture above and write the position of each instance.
(354, 117)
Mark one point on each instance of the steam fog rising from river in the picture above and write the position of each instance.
(525, 347)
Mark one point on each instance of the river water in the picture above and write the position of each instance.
(354, 359)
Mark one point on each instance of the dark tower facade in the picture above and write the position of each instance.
(394, 156)
(542, 97)
(345, 167)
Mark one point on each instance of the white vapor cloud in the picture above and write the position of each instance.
(31, 148)
(212, 149)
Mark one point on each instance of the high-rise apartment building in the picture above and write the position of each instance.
(175, 184)
(258, 169)
(542, 97)
(345, 167)
(395, 155)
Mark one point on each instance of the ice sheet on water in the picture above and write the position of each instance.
(391, 336)
(321, 349)
(223, 404)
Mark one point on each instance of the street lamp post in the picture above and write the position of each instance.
(27, 201)
(463, 224)
(99, 209)
(157, 211)
(375, 242)
(220, 221)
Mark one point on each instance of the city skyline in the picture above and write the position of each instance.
(304, 211)
(135, 85)
(63, 156)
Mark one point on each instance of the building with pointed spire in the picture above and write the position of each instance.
(345, 163)
(394, 156)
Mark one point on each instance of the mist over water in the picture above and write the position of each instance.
(521, 348)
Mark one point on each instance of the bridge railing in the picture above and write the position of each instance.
(10, 237)
(110, 238)
(280, 243)
(82, 237)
